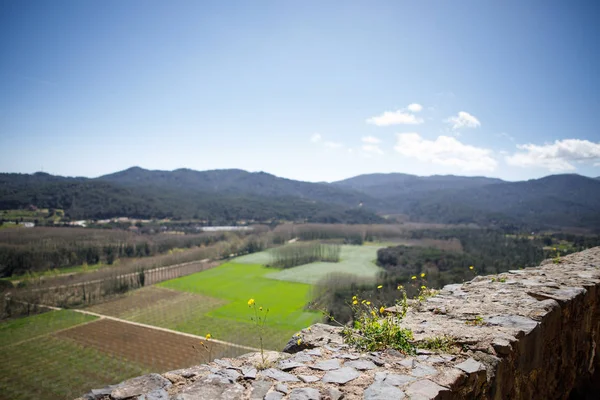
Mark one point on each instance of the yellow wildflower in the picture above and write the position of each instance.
(368, 303)
(413, 277)
(208, 336)
(423, 287)
(400, 287)
(250, 302)
(363, 302)
(355, 302)
(471, 267)
(259, 308)
(308, 328)
(382, 309)
(422, 274)
(379, 287)
(353, 297)
(373, 313)
(299, 341)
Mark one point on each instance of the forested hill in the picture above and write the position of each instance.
(556, 201)
(387, 186)
(140, 193)
(240, 182)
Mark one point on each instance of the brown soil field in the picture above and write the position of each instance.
(158, 306)
(137, 299)
(159, 351)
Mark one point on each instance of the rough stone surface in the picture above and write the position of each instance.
(383, 391)
(361, 365)
(335, 394)
(139, 386)
(318, 335)
(212, 387)
(537, 337)
(398, 380)
(274, 396)
(249, 372)
(287, 365)
(328, 365)
(427, 389)
(279, 375)
(308, 378)
(260, 389)
(158, 394)
(305, 394)
(470, 366)
(341, 376)
(280, 387)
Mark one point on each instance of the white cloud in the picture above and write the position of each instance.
(463, 120)
(398, 117)
(371, 139)
(316, 138)
(414, 107)
(395, 118)
(445, 150)
(333, 145)
(557, 156)
(372, 148)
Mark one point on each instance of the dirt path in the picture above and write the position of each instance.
(157, 328)
(138, 324)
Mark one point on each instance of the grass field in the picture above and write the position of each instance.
(236, 283)
(355, 260)
(22, 329)
(261, 258)
(39, 363)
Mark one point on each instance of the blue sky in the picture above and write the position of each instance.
(307, 90)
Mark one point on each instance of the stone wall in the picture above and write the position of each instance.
(525, 334)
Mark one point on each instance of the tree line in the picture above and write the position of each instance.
(485, 252)
(37, 250)
(304, 253)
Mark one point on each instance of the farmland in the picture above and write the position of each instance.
(131, 336)
(153, 349)
(355, 260)
(34, 351)
(236, 283)
(89, 353)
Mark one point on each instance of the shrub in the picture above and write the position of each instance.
(377, 329)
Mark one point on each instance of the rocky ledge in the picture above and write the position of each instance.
(525, 334)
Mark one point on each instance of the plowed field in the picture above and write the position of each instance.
(157, 350)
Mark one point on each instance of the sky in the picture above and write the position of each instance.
(309, 90)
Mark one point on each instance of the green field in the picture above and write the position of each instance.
(262, 258)
(237, 283)
(39, 364)
(30, 215)
(22, 329)
(355, 260)
(284, 292)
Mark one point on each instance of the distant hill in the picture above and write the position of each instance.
(394, 184)
(556, 201)
(552, 202)
(184, 194)
(239, 182)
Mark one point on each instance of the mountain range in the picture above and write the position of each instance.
(227, 195)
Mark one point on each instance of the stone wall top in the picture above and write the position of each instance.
(524, 334)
